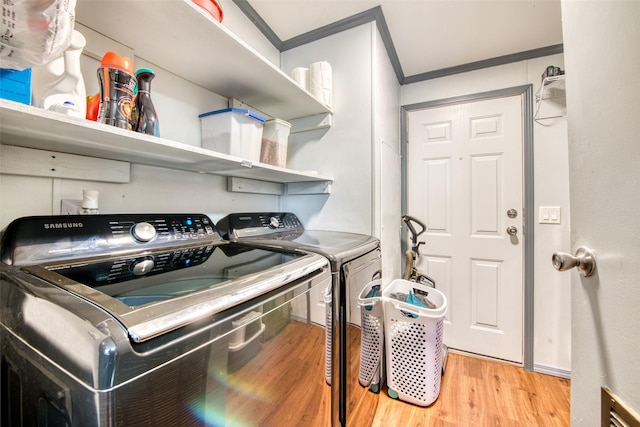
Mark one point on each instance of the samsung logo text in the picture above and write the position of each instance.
(58, 225)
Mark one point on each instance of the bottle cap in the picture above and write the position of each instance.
(67, 107)
(144, 70)
(113, 60)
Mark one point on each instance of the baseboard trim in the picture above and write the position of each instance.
(549, 370)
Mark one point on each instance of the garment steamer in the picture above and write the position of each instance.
(411, 272)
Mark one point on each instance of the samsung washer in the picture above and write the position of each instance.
(154, 319)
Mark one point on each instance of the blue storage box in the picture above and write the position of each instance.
(16, 85)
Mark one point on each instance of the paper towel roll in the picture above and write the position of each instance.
(300, 75)
(320, 81)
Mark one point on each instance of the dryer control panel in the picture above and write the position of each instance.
(272, 225)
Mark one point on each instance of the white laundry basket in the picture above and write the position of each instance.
(371, 371)
(413, 343)
(327, 335)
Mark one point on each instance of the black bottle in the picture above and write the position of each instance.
(145, 119)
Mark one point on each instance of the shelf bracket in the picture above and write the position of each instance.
(244, 185)
(315, 122)
(309, 187)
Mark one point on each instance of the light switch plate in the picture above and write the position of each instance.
(549, 215)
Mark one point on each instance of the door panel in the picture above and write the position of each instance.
(485, 197)
(438, 183)
(464, 170)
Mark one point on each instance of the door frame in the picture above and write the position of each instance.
(526, 91)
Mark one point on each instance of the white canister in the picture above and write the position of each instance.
(300, 75)
(320, 81)
(89, 204)
(275, 138)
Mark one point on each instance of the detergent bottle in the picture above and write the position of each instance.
(58, 85)
(145, 116)
(117, 84)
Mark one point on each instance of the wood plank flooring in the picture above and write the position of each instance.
(473, 392)
(480, 392)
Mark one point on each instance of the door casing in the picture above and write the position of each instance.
(526, 92)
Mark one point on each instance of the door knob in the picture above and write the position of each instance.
(584, 261)
(512, 231)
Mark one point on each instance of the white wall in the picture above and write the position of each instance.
(602, 41)
(552, 309)
(361, 150)
(345, 150)
(386, 139)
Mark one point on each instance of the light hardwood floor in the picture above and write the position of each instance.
(480, 392)
(473, 392)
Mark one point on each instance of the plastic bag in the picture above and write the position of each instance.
(33, 32)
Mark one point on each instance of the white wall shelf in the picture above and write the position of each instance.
(552, 92)
(182, 38)
(551, 88)
(32, 127)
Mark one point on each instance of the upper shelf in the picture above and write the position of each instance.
(552, 87)
(33, 127)
(180, 37)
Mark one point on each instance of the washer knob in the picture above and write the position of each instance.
(274, 222)
(143, 232)
(142, 267)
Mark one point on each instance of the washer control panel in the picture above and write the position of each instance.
(165, 229)
(34, 240)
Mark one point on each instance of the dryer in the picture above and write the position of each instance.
(354, 261)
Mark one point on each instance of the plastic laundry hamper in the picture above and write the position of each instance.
(327, 335)
(413, 337)
(371, 371)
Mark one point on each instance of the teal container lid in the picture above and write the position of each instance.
(249, 113)
(144, 70)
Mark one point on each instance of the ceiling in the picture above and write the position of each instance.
(430, 35)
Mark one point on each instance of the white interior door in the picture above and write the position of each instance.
(465, 182)
(604, 154)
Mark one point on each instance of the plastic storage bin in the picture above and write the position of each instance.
(233, 131)
(16, 85)
(371, 371)
(413, 343)
(275, 138)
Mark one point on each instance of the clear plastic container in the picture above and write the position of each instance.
(233, 131)
(275, 138)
